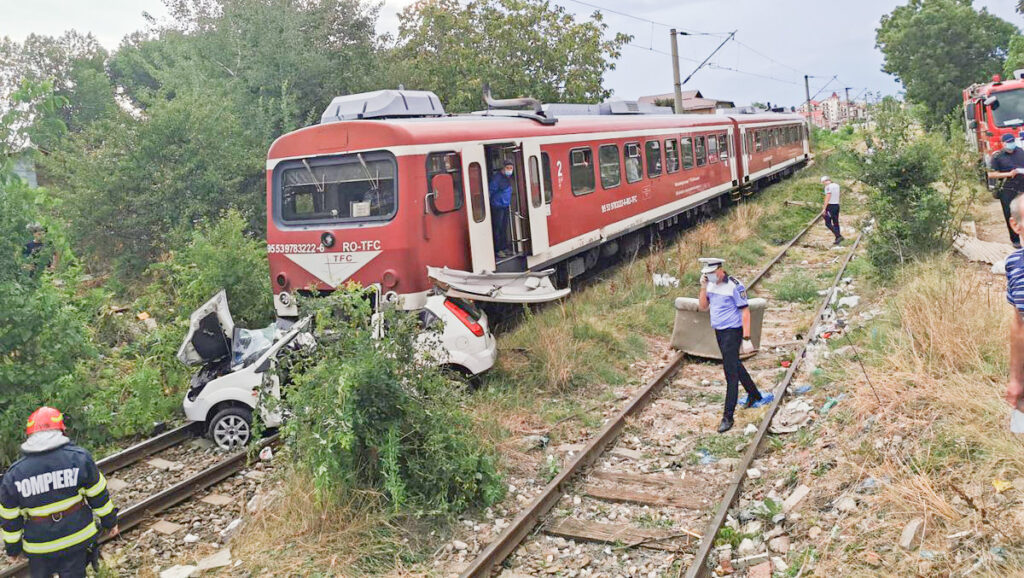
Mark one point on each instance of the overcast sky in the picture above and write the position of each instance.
(821, 38)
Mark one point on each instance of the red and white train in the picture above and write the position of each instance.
(388, 185)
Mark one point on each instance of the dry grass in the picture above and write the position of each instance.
(299, 535)
(939, 437)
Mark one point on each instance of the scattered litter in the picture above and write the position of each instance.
(665, 280)
(191, 539)
(1001, 485)
(999, 552)
(927, 554)
(706, 457)
(786, 363)
(849, 302)
(999, 267)
(231, 529)
(266, 454)
(1017, 422)
(753, 473)
(831, 402)
(142, 316)
(802, 389)
(750, 430)
(792, 417)
(868, 486)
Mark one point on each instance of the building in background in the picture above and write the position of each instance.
(693, 102)
(833, 112)
(25, 168)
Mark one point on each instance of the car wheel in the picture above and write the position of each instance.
(231, 428)
(462, 376)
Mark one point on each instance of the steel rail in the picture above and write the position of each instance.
(699, 567)
(498, 550)
(146, 448)
(139, 512)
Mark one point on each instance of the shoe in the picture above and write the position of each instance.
(1016, 245)
(726, 425)
(839, 240)
(765, 399)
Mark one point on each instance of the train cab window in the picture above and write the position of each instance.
(671, 155)
(581, 173)
(349, 188)
(713, 148)
(476, 192)
(545, 162)
(634, 164)
(686, 150)
(653, 151)
(444, 163)
(702, 157)
(536, 195)
(723, 146)
(610, 166)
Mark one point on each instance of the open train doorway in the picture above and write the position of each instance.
(510, 218)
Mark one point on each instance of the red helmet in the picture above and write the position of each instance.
(44, 418)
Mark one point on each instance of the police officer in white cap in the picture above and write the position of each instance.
(730, 318)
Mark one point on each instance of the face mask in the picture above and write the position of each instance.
(1010, 146)
(508, 173)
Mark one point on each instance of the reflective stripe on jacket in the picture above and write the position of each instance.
(52, 485)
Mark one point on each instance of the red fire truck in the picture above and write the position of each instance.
(992, 110)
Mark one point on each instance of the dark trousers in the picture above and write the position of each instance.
(499, 224)
(832, 219)
(67, 565)
(729, 341)
(1005, 196)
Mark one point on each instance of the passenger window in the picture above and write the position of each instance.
(653, 152)
(671, 155)
(686, 149)
(545, 161)
(581, 173)
(702, 157)
(634, 165)
(610, 166)
(713, 148)
(476, 192)
(444, 163)
(758, 140)
(723, 146)
(535, 193)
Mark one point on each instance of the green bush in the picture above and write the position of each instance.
(221, 255)
(369, 413)
(796, 286)
(912, 217)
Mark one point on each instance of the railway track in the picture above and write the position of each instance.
(213, 467)
(608, 503)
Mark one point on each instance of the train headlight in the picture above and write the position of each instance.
(285, 298)
(389, 279)
(327, 240)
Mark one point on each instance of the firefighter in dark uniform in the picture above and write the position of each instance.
(1008, 164)
(726, 298)
(50, 499)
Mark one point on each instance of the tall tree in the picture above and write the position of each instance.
(938, 47)
(521, 47)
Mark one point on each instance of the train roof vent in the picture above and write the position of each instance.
(383, 104)
(614, 107)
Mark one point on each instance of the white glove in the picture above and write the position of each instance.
(703, 279)
(747, 346)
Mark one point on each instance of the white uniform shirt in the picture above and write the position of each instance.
(832, 192)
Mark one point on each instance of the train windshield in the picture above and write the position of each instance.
(1010, 111)
(347, 188)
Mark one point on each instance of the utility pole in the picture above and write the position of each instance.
(807, 89)
(675, 71)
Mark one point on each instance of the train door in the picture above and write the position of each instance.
(515, 229)
(481, 241)
(732, 155)
(538, 206)
(746, 145)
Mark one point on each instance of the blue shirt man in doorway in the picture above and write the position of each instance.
(501, 197)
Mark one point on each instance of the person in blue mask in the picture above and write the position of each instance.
(1008, 165)
(501, 197)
